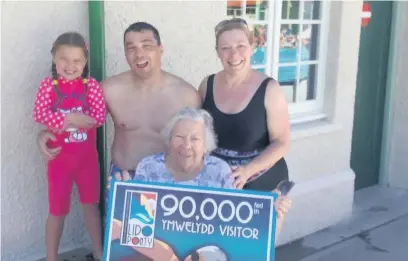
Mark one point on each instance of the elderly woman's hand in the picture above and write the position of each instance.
(282, 205)
(125, 176)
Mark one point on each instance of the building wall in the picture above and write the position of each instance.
(188, 42)
(320, 153)
(318, 160)
(28, 30)
(396, 149)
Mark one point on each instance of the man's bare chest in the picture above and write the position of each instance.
(141, 113)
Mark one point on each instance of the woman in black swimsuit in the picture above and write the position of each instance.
(250, 112)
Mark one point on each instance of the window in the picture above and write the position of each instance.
(290, 39)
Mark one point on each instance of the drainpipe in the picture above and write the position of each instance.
(96, 17)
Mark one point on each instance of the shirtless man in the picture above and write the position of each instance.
(140, 102)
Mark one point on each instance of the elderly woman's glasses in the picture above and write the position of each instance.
(223, 23)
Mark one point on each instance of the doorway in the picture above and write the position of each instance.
(370, 94)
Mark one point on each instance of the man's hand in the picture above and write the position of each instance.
(79, 120)
(42, 140)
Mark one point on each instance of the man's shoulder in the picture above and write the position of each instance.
(115, 80)
(183, 89)
(175, 81)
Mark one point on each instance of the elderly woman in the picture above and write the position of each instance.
(190, 138)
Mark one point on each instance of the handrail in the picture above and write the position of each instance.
(96, 18)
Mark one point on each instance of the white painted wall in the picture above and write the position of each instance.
(320, 153)
(28, 30)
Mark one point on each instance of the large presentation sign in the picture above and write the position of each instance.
(147, 221)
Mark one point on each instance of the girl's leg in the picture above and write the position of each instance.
(88, 183)
(54, 228)
(60, 181)
(93, 225)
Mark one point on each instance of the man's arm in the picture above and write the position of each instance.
(202, 89)
(43, 137)
(192, 97)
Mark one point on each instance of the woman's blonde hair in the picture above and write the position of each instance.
(233, 24)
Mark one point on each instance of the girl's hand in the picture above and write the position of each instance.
(79, 120)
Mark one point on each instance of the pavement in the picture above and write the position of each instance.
(376, 231)
(388, 242)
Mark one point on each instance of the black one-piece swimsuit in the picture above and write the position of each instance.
(243, 136)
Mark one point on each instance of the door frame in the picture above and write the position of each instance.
(390, 98)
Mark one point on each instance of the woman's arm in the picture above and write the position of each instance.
(278, 128)
(282, 206)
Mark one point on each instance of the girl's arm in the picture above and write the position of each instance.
(95, 97)
(42, 112)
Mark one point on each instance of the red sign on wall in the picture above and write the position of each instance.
(366, 15)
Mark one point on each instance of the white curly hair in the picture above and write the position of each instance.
(196, 115)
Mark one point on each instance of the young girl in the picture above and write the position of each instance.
(71, 104)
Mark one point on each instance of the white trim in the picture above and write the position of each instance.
(305, 110)
(243, 9)
(322, 56)
(310, 62)
(366, 14)
(274, 21)
(307, 118)
(259, 66)
(390, 95)
(299, 50)
(298, 21)
(256, 22)
(277, 13)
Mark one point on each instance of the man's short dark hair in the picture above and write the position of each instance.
(143, 26)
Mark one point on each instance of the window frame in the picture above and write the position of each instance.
(305, 110)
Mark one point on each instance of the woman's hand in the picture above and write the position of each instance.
(116, 228)
(125, 176)
(241, 176)
(282, 205)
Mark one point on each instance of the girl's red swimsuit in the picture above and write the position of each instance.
(78, 159)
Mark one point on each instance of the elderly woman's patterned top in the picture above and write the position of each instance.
(216, 172)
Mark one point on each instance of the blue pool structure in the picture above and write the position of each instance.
(287, 74)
